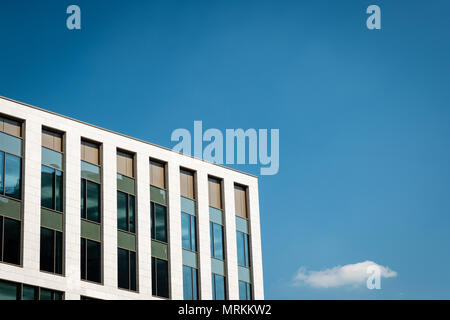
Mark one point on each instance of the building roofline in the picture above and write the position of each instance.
(123, 135)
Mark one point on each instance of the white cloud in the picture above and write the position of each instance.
(348, 275)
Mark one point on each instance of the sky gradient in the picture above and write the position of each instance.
(363, 115)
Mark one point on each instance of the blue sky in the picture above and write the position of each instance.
(363, 115)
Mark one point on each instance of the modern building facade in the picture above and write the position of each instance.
(86, 213)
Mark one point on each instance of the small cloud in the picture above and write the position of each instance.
(348, 275)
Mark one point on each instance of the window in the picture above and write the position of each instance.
(51, 189)
(11, 127)
(52, 140)
(158, 222)
(218, 287)
(243, 249)
(91, 254)
(125, 212)
(90, 152)
(90, 200)
(188, 232)
(157, 174)
(10, 240)
(125, 164)
(240, 201)
(17, 291)
(190, 286)
(45, 294)
(245, 291)
(126, 269)
(160, 278)
(215, 194)
(51, 251)
(187, 184)
(216, 233)
(10, 175)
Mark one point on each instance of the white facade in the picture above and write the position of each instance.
(70, 283)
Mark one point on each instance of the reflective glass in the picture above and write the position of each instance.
(123, 268)
(122, 211)
(13, 171)
(93, 261)
(160, 223)
(93, 201)
(11, 252)
(47, 185)
(131, 210)
(58, 191)
(47, 250)
(2, 168)
(8, 290)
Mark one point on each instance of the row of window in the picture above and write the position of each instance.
(52, 237)
(18, 291)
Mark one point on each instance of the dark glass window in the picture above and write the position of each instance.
(51, 188)
(218, 287)
(125, 212)
(51, 251)
(10, 175)
(91, 260)
(158, 222)
(160, 278)
(126, 269)
(18, 291)
(90, 200)
(2, 170)
(188, 232)
(9, 290)
(243, 249)
(216, 233)
(11, 240)
(29, 292)
(45, 294)
(13, 169)
(190, 287)
(245, 291)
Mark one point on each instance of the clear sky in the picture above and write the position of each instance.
(364, 115)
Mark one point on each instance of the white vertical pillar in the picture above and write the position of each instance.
(204, 244)
(255, 242)
(175, 249)
(109, 189)
(72, 231)
(32, 196)
(143, 225)
(230, 236)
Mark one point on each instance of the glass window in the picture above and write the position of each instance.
(90, 200)
(218, 287)
(90, 260)
(245, 291)
(243, 249)
(123, 268)
(2, 169)
(11, 238)
(29, 292)
(51, 251)
(158, 222)
(126, 269)
(190, 290)
(188, 231)
(216, 233)
(8, 290)
(13, 169)
(125, 212)
(45, 294)
(51, 188)
(160, 277)
(1, 238)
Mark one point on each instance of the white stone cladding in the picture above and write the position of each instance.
(70, 283)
